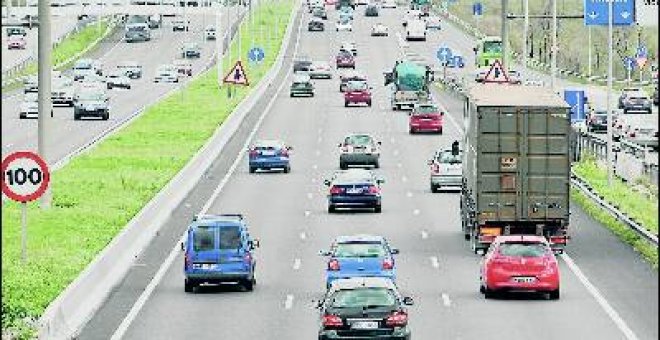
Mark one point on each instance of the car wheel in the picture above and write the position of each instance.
(482, 289)
(369, 103)
(188, 286)
(440, 131)
(253, 169)
(554, 295)
(434, 188)
(109, 87)
(376, 165)
(106, 116)
(287, 169)
(345, 103)
(489, 293)
(378, 209)
(331, 209)
(411, 131)
(76, 116)
(248, 285)
(343, 165)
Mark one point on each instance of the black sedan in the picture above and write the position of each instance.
(597, 121)
(361, 308)
(315, 25)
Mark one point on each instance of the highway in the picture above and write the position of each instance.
(66, 135)
(608, 292)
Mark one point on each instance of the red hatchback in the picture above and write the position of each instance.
(357, 92)
(345, 59)
(425, 117)
(520, 263)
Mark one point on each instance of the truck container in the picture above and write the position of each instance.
(516, 164)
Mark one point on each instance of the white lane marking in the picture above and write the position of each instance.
(303, 235)
(409, 194)
(435, 262)
(424, 234)
(307, 213)
(296, 264)
(309, 195)
(142, 299)
(318, 152)
(315, 166)
(445, 300)
(320, 131)
(392, 140)
(404, 179)
(618, 321)
(416, 212)
(320, 139)
(313, 180)
(288, 303)
(396, 152)
(451, 119)
(399, 165)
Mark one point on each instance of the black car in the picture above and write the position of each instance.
(302, 64)
(320, 12)
(364, 308)
(191, 50)
(637, 101)
(597, 121)
(315, 25)
(371, 11)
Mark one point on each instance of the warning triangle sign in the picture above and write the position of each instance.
(496, 74)
(237, 75)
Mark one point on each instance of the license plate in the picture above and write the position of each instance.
(354, 191)
(268, 153)
(365, 325)
(206, 266)
(524, 279)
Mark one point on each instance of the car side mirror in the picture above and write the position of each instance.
(379, 143)
(256, 243)
(429, 162)
(326, 182)
(290, 148)
(394, 251)
(183, 246)
(442, 113)
(408, 301)
(318, 304)
(380, 181)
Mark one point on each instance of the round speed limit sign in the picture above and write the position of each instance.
(25, 176)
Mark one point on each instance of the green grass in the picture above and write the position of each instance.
(645, 248)
(97, 193)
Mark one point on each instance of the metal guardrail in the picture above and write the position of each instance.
(581, 184)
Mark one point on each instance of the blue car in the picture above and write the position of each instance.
(354, 188)
(268, 155)
(360, 256)
(219, 249)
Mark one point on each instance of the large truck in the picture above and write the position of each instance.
(487, 50)
(409, 83)
(421, 5)
(516, 164)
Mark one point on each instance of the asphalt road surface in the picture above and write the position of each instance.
(66, 134)
(607, 290)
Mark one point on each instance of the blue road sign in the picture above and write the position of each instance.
(256, 54)
(629, 63)
(576, 100)
(477, 8)
(642, 52)
(444, 54)
(596, 12)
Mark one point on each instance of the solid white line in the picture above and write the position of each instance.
(425, 235)
(315, 166)
(288, 303)
(392, 140)
(618, 321)
(296, 264)
(435, 262)
(307, 213)
(142, 299)
(303, 235)
(409, 194)
(445, 300)
(320, 139)
(313, 180)
(318, 152)
(309, 195)
(404, 179)
(416, 212)
(399, 165)
(396, 152)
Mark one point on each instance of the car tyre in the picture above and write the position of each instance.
(248, 284)
(109, 86)
(489, 293)
(411, 131)
(76, 116)
(554, 295)
(105, 116)
(188, 286)
(346, 104)
(377, 165)
(253, 169)
(343, 165)
(434, 188)
(331, 209)
(287, 169)
(369, 103)
(378, 209)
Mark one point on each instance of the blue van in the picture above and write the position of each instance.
(219, 249)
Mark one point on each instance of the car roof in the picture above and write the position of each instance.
(359, 237)
(359, 282)
(268, 142)
(218, 220)
(521, 238)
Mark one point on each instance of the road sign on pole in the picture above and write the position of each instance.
(496, 73)
(444, 53)
(641, 57)
(576, 100)
(596, 12)
(477, 9)
(629, 63)
(25, 177)
(237, 75)
(256, 54)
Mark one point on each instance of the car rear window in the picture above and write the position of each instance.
(359, 297)
(357, 85)
(426, 109)
(360, 249)
(523, 249)
(230, 237)
(358, 140)
(204, 238)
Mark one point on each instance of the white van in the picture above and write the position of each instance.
(416, 30)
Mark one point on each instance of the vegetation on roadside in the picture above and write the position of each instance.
(97, 193)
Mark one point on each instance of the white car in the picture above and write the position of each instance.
(349, 46)
(433, 21)
(166, 74)
(320, 69)
(389, 4)
(344, 26)
(29, 106)
(379, 30)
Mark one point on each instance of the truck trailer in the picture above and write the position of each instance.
(516, 165)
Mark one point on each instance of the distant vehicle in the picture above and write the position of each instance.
(487, 50)
(425, 117)
(636, 101)
(481, 75)
(30, 84)
(302, 64)
(30, 106)
(354, 188)
(645, 136)
(320, 69)
(361, 2)
(301, 85)
(155, 21)
(456, 61)
(357, 92)
(411, 14)
(514, 77)
(137, 32)
(409, 84)
(209, 33)
(191, 50)
(86, 67)
(131, 69)
(416, 30)
(359, 149)
(389, 4)
(597, 121)
(16, 42)
(92, 102)
(320, 12)
(117, 79)
(166, 74)
(315, 24)
(349, 46)
(360, 307)
(350, 76)
(11, 31)
(183, 67)
(269, 155)
(219, 249)
(379, 29)
(372, 10)
(180, 25)
(62, 91)
(624, 94)
(423, 6)
(446, 169)
(345, 4)
(519, 263)
(359, 256)
(345, 59)
(344, 25)
(433, 22)
(346, 12)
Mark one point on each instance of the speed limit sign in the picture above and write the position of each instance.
(25, 176)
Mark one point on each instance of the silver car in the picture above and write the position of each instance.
(166, 74)
(446, 170)
(359, 149)
(320, 69)
(29, 106)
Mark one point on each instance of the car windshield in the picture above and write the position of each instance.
(423, 109)
(367, 296)
(354, 85)
(522, 249)
(204, 238)
(91, 96)
(230, 237)
(358, 140)
(360, 249)
(446, 157)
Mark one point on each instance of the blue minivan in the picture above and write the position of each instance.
(219, 249)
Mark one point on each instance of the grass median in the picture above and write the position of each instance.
(97, 193)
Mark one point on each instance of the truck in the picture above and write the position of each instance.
(409, 84)
(421, 5)
(516, 165)
(487, 50)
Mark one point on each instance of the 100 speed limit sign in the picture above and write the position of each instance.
(25, 176)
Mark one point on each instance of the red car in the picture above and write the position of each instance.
(16, 42)
(345, 59)
(357, 92)
(425, 117)
(520, 263)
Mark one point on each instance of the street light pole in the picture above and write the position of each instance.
(589, 58)
(219, 42)
(609, 92)
(553, 55)
(45, 106)
(525, 33)
(505, 35)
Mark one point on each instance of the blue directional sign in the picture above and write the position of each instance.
(256, 54)
(629, 63)
(642, 52)
(444, 54)
(576, 100)
(596, 12)
(477, 8)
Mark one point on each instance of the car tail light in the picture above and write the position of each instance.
(436, 168)
(187, 260)
(330, 320)
(346, 148)
(374, 189)
(247, 258)
(333, 265)
(388, 264)
(253, 153)
(284, 152)
(397, 319)
(335, 190)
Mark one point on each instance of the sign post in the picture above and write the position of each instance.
(477, 11)
(25, 177)
(444, 54)
(629, 65)
(641, 57)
